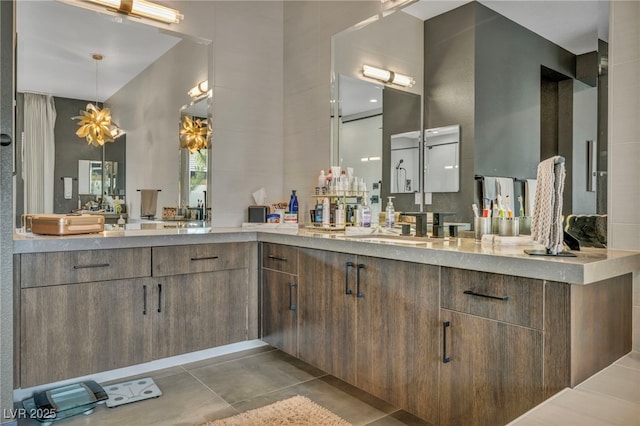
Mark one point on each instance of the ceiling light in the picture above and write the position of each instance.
(387, 76)
(95, 124)
(374, 158)
(373, 100)
(143, 9)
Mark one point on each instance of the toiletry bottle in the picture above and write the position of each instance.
(319, 215)
(325, 212)
(391, 213)
(366, 215)
(322, 180)
(293, 203)
(340, 215)
(121, 222)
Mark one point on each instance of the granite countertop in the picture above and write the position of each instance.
(590, 265)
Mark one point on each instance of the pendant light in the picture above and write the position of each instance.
(95, 123)
(195, 133)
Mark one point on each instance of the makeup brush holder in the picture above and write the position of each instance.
(508, 226)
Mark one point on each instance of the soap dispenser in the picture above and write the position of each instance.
(391, 213)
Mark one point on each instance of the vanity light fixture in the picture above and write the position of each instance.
(387, 76)
(95, 123)
(199, 89)
(142, 8)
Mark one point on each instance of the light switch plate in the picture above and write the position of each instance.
(428, 198)
(418, 198)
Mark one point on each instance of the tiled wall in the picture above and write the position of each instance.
(246, 70)
(624, 136)
(308, 27)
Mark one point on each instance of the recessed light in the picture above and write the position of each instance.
(373, 100)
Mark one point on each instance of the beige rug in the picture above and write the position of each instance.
(295, 411)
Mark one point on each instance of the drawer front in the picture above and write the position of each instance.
(507, 298)
(194, 258)
(280, 258)
(70, 267)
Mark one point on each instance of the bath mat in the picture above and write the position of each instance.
(131, 391)
(298, 411)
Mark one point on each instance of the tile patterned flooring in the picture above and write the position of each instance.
(226, 385)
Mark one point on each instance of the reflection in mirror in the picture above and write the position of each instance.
(405, 159)
(194, 164)
(89, 177)
(362, 129)
(481, 66)
(137, 81)
(441, 159)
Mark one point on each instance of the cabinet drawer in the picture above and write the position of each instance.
(70, 267)
(280, 258)
(507, 298)
(177, 260)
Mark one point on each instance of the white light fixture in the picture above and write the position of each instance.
(387, 76)
(373, 101)
(143, 9)
(199, 89)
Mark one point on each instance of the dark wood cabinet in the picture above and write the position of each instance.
(327, 315)
(199, 311)
(279, 310)
(397, 334)
(494, 371)
(373, 323)
(78, 329)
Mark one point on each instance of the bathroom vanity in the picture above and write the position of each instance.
(452, 331)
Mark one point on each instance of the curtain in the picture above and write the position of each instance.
(39, 152)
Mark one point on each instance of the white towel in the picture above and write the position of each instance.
(489, 188)
(546, 225)
(529, 196)
(68, 187)
(504, 187)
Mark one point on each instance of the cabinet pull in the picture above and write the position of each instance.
(488, 296)
(292, 307)
(159, 297)
(205, 258)
(144, 300)
(359, 293)
(445, 358)
(97, 265)
(347, 290)
(283, 259)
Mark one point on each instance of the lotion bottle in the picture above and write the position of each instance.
(325, 212)
(366, 215)
(391, 213)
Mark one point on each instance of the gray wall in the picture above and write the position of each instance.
(449, 97)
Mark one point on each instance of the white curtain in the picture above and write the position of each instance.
(39, 152)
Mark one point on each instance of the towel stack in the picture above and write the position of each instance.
(546, 225)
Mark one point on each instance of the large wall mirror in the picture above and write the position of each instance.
(516, 92)
(138, 80)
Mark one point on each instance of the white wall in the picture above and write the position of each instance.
(624, 137)
(148, 109)
(246, 76)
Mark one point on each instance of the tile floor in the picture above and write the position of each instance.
(226, 385)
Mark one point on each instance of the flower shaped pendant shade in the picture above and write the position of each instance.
(95, 124)
(195, 133)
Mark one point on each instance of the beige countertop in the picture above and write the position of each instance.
(590, 265)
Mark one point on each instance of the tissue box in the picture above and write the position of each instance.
(258, 214)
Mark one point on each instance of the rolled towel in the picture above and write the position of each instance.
(546, 224)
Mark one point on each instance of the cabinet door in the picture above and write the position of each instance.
(397, 334)
(279, 311)
(326, 337)
(494, 373)
(199, 311)
(79, 329)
